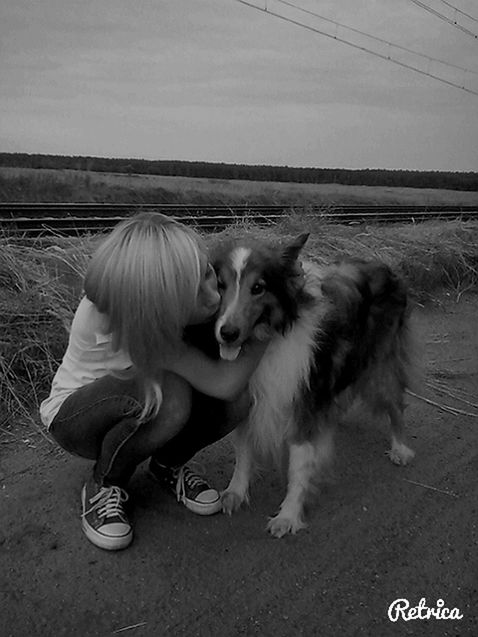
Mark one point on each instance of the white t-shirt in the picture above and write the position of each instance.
(89, 356)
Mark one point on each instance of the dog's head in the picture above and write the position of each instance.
(262, 290)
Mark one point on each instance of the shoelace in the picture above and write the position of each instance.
(108, 502)
(187, 477)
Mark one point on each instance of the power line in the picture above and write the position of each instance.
(429, 58)
(459, 11)
(442, 16)
(335, 36)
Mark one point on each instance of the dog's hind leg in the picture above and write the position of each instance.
(399, 454)
(237, 491)
(305, 461)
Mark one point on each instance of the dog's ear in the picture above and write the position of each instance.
(291, 251)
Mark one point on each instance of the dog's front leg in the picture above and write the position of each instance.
(305, 461)
(238, 490)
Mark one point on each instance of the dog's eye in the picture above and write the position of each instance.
(220, 284)
(258, 288)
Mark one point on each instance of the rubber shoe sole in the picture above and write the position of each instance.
(203, 508)
(120, 540)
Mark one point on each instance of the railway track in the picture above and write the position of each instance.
(31, 220)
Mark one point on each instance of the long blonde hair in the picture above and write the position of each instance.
(145, 278)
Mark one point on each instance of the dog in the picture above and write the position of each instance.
(337, 333)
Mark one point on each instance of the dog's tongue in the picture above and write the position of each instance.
(229, 353)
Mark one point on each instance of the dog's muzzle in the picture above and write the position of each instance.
(227, 336)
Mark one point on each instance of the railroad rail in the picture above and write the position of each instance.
(32, 220)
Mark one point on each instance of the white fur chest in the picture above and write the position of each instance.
(275, 383)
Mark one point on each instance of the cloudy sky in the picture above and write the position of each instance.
(215, 80)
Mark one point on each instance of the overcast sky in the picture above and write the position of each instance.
(215, 80)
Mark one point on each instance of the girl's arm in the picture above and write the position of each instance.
(217, 378)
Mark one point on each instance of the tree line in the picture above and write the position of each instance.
(216, 170)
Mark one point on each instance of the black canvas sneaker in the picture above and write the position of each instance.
(189, 488)
(103, 519)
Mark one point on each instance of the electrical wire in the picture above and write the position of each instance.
(429, 58)
(445, 18)
(470, 17)
(388, 58)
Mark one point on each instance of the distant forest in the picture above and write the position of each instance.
(210, 170)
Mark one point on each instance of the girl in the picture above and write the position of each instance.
(128, 383)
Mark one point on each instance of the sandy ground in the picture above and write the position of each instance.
(374, 535)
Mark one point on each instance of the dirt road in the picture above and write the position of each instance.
(376, 533)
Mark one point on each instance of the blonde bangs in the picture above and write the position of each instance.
(145, 277)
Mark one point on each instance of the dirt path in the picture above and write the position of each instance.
(374, 535)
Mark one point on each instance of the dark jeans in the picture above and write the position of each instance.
(100, 421)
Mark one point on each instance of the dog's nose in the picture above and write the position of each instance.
(229, 334)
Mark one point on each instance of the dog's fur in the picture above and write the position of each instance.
(337, 333)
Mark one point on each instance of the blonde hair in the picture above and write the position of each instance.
(145, 278)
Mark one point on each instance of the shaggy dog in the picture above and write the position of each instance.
(336, 334)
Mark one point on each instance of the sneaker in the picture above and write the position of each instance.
(103, 519)
(188, 487)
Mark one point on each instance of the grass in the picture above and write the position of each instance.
(48, 185)
(40, 286)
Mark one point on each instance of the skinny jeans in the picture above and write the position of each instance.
(101, 421)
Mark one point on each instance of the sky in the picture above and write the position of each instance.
(215, 80)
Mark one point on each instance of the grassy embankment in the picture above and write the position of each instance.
(40, 285)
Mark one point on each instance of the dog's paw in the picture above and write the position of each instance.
(231, 501)
(278, 526)
(400, 454)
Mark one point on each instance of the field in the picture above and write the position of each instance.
(45, 185)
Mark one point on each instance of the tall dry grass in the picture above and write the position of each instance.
(40, 286)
